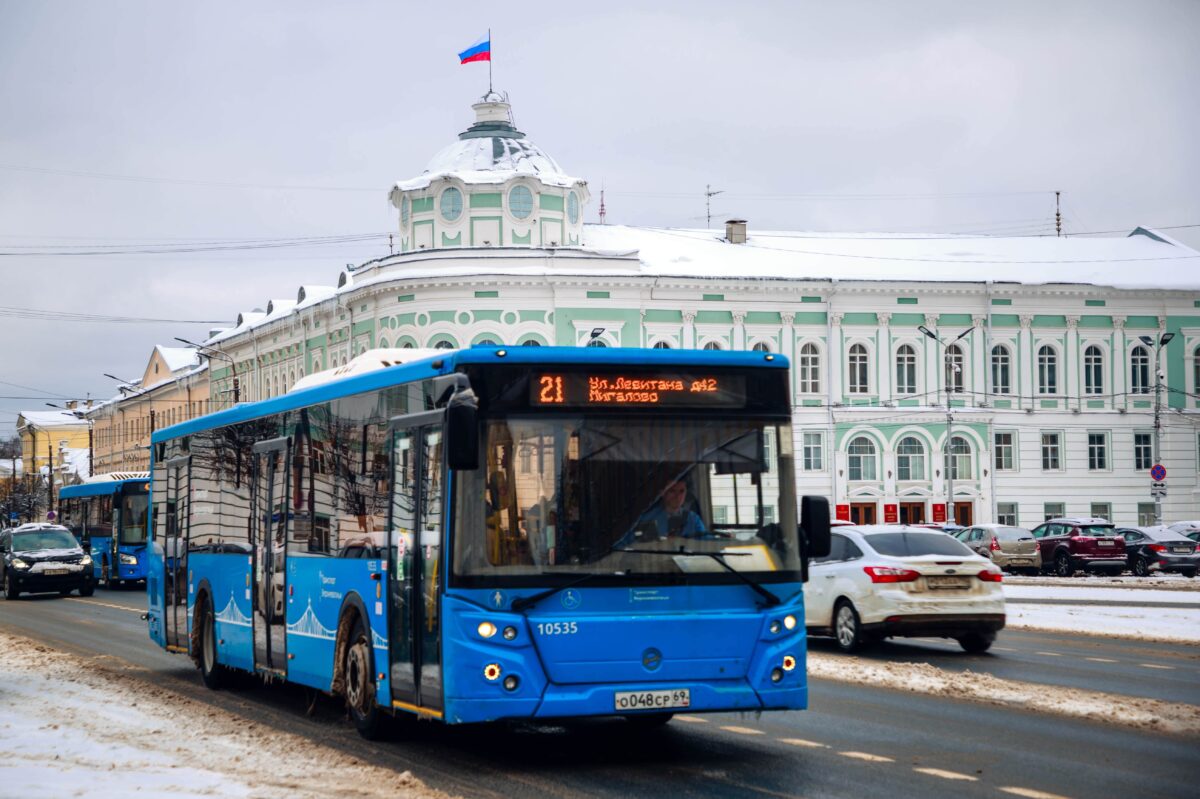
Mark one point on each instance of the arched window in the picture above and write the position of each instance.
(1139, 370)
(520, 201)
(906, 370)
(958, 459)
(860, 460)
(485, 342)
(954, 369)
(407, 345)
(597, 342)
(1196, 370)
(1093, 370)
(1047, 365)
(1001, 370)
(451, 204)
(383, 344)
(444, 345)
(712, 345)
(531, 342)
(858, 363)
(910, 459)
(761, 346)
(809, 369)
(661, 345)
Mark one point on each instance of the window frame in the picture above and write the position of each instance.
(858, 369)
(1047, 370)
(1057, 465)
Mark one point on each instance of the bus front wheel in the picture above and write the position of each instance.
(360, 684)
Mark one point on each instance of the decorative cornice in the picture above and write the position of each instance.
(739, 317)
(1026, 321)
(836, 317)
(788, 317)
(1118, 322)
(1072, 322)
(884, 318)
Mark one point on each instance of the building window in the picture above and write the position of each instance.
(1143, 451)
(525, 454)
(573, 208)
(1097, 451)
(451, 204)
(958, 459)
(910, 459)
(1139, 371)
(954, 369)
(1001, 370)
(1093, 370)
(1054, 510)
(1006, 513)
(599, 342)
(861, 459)
(1051, 447)
(1047, 360)
(1102, 510)
(1145, 514)
(761, 346)
(442, 345)
(520, 202)
(813, 459)
(810, 369)
(858, 364)
(720, 514)
(712, 345)
(906, 370)
(1196, 372)
(661, 345)
(1004, 452)
(529, 342)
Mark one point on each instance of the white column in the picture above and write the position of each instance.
(883, 350)
(1072, 363)
(739, 330)
(787, 345)
(834, 357)
(1027, 356)
(979, 360)
(689, 330)
(934, 365)
(1120, 364)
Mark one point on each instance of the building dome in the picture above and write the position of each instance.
(491, 188)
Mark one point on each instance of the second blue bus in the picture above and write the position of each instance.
(107, 513)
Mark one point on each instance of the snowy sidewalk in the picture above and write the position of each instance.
(1157, 613)
(72, 730)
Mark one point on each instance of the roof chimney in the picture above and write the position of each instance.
(72, 405)
(735, 231)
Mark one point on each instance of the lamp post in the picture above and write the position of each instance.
(951, 515)
(211, 352)
(1157, 346)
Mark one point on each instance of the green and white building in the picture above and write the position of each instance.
(1051, 394)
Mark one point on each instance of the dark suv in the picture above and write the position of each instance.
(43, 557)
(1080, 543)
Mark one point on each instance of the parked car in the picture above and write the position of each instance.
(43, 557)
(881, 581)
(1010, 548)
(1185, 527)
(1087, 543)
(1159, 549)
(1194, 535)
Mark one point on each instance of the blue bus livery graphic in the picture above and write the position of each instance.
(496, 534)
(108, 515)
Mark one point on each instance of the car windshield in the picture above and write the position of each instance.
(1098, 530)
(43, 539)
(902, 545)
(1012, 533)
(567, 494)
(133, 518)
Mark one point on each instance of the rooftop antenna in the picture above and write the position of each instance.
(1057, 215)
(603, 213)
(391, 245)
(708, 195)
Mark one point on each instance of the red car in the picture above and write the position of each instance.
(1080, 543)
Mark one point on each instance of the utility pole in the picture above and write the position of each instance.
(1162, 341)
(948, 452)
(708, 195)
(1057, 214)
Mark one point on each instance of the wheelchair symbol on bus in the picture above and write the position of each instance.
(571, 599)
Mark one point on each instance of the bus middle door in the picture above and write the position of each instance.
(175, 549)
(269, 546)
(415, 535)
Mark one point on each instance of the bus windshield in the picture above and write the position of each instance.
(574, 494)
(133, 518)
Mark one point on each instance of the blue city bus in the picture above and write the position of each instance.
(497, 533)
(107, 514)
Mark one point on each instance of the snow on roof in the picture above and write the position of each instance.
(178, 358)
(308, 296)
(75, 461)
(52, 419)
(490, 160)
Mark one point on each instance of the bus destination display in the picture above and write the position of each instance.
(580, 389)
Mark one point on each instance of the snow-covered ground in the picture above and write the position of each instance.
(1133, 611)
(1162, 582)
(71, 730)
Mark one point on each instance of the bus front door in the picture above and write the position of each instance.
(269, 545)
(175, 549)
(415, 538)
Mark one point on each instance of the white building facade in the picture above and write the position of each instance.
(1049, 400)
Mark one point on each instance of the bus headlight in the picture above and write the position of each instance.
(789, 621)
(486, 629)
(128, 560)
(17, 563)
(775, 627)
(510, 633)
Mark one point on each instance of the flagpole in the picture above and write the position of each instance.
(489, 60)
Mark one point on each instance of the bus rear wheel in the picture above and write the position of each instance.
(360, 684)
(211, 671)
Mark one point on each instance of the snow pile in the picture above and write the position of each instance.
(923, 678)
(1157, 581)
(1139, 609)
(69, 729)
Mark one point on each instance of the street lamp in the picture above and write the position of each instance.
(1149, 341)
(211, 352)
(948, 462)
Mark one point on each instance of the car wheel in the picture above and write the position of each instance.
(1188, 573)
(650, 721)
(1141, 568)
(1033, 572)
(87, 589)
(10, 590)
(211, 671)
(847, 629)
(360, 684)
(1062, 564)
(977, 643)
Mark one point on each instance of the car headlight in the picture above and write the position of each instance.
(17, 563)
(128, 560)
(86, 560)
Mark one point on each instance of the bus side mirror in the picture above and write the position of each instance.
(462, 431)
(814, 526)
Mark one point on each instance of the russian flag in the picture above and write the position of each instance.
(480, 51)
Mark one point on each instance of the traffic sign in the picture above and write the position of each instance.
(1158, 472)
(1158, 489)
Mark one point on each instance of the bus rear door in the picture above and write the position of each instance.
(175, 547)
(270, 555)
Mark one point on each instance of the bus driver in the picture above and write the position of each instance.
(669, 517)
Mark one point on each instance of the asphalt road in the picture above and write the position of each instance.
(855, 741)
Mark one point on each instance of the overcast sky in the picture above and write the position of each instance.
(148, 123)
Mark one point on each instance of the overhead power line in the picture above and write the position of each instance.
(183, 181)
(193, 247)
(68, 316)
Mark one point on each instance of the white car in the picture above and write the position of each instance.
(880, 581)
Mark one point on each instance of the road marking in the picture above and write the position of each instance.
(1003, 649)
(1102, 660)
(804, 743)
(1155, 666)
(946, 775)
(691, 719)
(103, 604)
(867, 756)
(1030, 793)
(744, 730)
(1049, 654)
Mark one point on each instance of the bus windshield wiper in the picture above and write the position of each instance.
(521, 603)
(719, 557)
